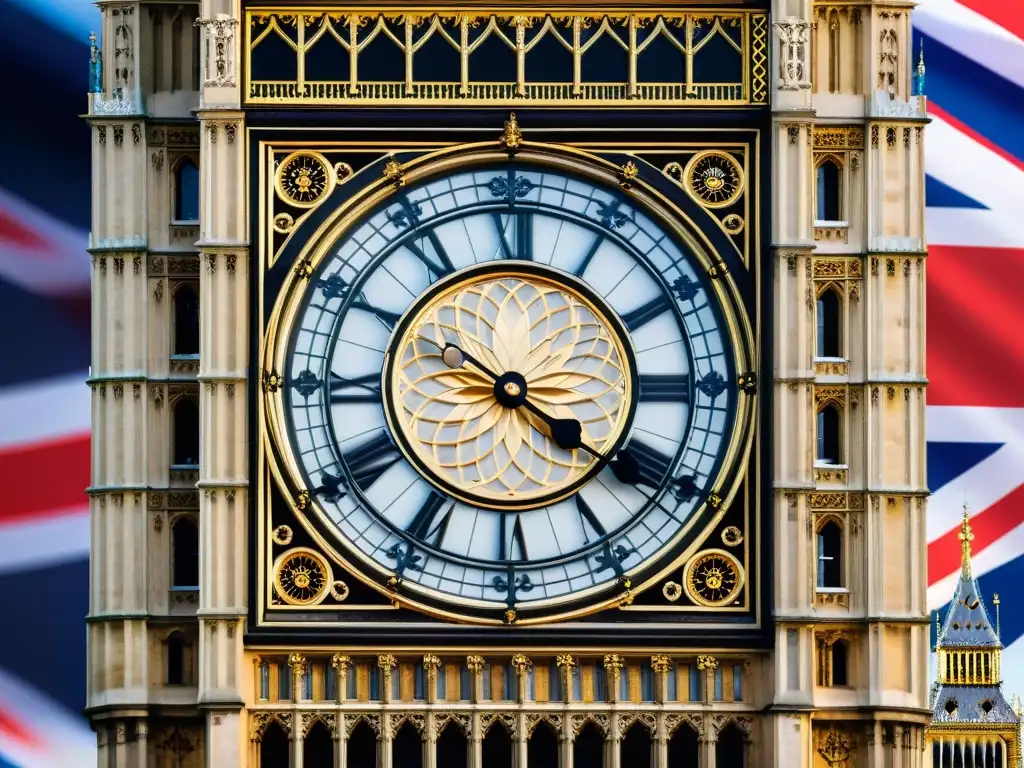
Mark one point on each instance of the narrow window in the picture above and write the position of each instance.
(646, 682)
(554, 683)
(176, 659)
(840, 660)
(330, 684)
(186, 433)
(284, 681)
(719, 685)
(828, 317)
(737, 682)
(696, 688)
(186, 321)
(375, 693)
(307, 684)
(828, 435)
(186, 191)
(828, 191)
(487, 680)
(419, 677)
(830, 551)
(464, 683)
(184, 554)
(600, 683)
(264, 681)
(673, 684)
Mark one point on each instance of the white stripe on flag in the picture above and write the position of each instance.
(41, 543)
(975, 36)
(1013, 669)
(989, 480)
(41, 411)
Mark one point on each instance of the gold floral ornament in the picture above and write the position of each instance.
(715, 178)
(572, 366)
(302, 577)
(303, 178)
(512, 136)
(713, 578)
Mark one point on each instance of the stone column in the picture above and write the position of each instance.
(386, 662)
(431, 664)
(223, 406)
(522, 735)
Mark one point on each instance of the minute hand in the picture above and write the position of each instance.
(567, 433)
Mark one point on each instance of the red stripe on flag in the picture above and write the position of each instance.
(1009, 16)
(15, 232)
(989, 526)
(936, 111)
(17, 731)
(43, 478)
(974, 323)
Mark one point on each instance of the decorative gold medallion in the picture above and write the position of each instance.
(733, 223)
(732, 536)
(474, 367)
(713, 578)
(301, 577)
(715, 178)
(303, 178)
(671, 590)
(283, 535)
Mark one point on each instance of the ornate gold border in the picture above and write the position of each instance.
(751, 522)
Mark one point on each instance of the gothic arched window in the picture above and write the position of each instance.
(829, 191)
(829, 324)
(184, 553)
(829, 435)
(186, 433)
(830, 555)
(840, 663)
(186, 191)
(176, 671)
(186, 321)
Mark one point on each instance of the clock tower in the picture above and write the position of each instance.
(497, 386)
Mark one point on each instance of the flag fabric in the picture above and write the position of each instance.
(974, 166)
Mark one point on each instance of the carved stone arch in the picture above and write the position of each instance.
(820, 158)
(398, 719)
(832, 285)
(506, 720)
(687, 720)
(745, 725)
(649, 721)
(262, 720)
(822, 519)
(329, 719)
(601, 721)
(533, 720)
(463, 721)
(351, 721)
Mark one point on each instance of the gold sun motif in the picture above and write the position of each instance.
(573, 365)
(301, 577)
(713, 578)
(715, 178)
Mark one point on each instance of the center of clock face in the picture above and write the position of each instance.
(506, 387)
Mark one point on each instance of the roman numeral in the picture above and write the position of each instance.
(524, 235)
(443, 266)
(587, 515)
(639, 464)
(516, 539)
(506, 249)
(644, 314)
(364, 389)
(428, 526)
(664, 388)
(588, 256)
(371, 460)
(387, 317)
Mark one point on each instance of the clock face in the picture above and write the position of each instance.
(509, 388)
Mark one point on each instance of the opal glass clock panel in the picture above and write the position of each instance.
(594, 246)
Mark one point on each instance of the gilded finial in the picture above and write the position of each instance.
(995, 602)
(95, 66)
(919, 72)
(966, 536)
(512, 136)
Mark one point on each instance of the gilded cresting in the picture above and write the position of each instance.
(571, 56)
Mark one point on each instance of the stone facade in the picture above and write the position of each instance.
(845, 681)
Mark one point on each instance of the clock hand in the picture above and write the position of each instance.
(453, 357)
(567, 433)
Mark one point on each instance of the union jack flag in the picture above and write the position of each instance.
(974, 165)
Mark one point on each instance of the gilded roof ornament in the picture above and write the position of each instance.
(919, 72)
(95, 66)
(512, 136)
(966, 536)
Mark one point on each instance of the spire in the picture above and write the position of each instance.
(966, 536)
(95, 66)
(995, 602)
(919, 72)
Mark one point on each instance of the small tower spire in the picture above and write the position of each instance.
(995, 602)
(95, 66)
(919, 72)
(966, 536)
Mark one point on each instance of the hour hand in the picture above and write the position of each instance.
(454, 357)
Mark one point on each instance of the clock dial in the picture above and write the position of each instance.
(509, 388)
(488, 371)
